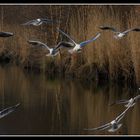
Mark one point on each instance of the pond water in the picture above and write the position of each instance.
(61, 107)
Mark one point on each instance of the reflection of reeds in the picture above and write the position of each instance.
(61, 106)
(105, 58)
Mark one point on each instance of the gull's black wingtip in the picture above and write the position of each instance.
(136, 29)
(6, 34)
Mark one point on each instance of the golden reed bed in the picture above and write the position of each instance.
(106, 58)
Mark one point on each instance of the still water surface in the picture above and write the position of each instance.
(61, 107)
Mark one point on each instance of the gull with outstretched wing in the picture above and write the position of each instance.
(52, 51)
(8, 110)
(131, 101)
(6, 34)
(113, 125)
(119, 34)
(39, 21)
(78, 46)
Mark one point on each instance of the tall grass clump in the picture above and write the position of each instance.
(106, 58)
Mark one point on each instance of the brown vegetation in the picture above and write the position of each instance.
(104, 59)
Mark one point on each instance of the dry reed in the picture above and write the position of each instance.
(104, 59)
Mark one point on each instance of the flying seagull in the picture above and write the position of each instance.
(8, 110)
(118, 34)
(38, 21)
(6, 34)
(52, 51)
(113, 125)
(131, 102)
(77, 47)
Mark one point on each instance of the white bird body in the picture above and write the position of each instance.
(112, 122)
(130, 103)
(119, 35)
(114, 127)
(38, 19)
(51, 51)
(76, 49)
(37, 23)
